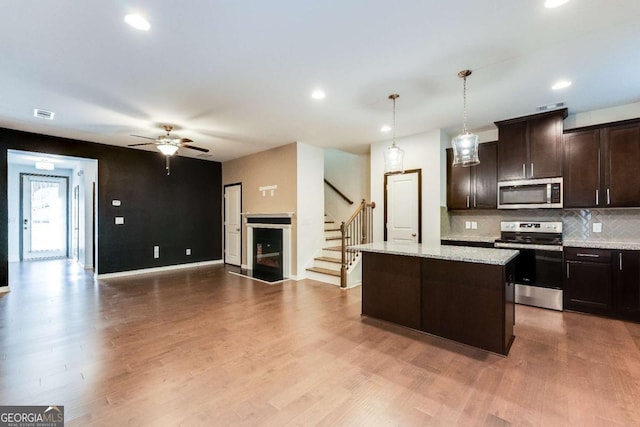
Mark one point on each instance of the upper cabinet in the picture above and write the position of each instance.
(598, 163)
(621, 145)
(473, 187)
(531, 147)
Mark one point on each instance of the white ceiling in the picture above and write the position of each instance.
(236, 76)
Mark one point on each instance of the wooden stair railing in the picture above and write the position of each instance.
(340, 193)
(356, 230)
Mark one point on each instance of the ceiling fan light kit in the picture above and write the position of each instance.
(169, 145)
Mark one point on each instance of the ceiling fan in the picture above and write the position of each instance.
(169, 145)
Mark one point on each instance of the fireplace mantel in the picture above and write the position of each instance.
(268, 215)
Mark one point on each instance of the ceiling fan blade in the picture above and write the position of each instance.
(193, 147)
(145, 137)
(142, 143)
(183, 140)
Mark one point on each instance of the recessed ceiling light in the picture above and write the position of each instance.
(385, 128)
(137, 21)
(561, 84)
(318, 94)
(550, 4)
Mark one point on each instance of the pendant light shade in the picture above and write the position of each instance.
(394, 155)
(465, 145)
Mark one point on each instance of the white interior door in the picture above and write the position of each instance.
(233, 224)
(402, 207)
(45, 217)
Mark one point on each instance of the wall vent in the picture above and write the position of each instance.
(43, 114)
(205, 156)
(549, 107)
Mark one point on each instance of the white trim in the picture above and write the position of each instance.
(158, 269)
(4, 289)
(286, 245)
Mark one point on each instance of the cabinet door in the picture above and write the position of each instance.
(582, 170)
(587, 287)
(458, 184)
(545, 147)
(512, 151)
(627, 284)
(485, 177)
(622, 157)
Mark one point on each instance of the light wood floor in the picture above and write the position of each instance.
(205, 347)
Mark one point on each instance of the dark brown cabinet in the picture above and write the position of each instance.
(587, 280)
(582, 169)
(598, 163)
(626, 266)
(473, 187)
(531, 147)
(602, 281)
(621, 145)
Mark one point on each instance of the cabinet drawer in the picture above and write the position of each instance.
(587, 255)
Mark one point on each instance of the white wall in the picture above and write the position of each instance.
(310, 205)
(351, 175)
(423, 151)
(605, 115)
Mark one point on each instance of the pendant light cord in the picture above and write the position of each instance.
(464, 108)
(393, 98)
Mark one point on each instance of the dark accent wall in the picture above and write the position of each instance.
(175, 212)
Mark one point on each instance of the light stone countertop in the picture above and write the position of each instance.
(601, 244)
(463, 238)
(443, 252)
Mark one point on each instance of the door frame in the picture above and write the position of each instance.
(224, 222)
(384, 189)
(21, 198)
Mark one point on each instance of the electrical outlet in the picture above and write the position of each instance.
(474, 225)
(597, 227)
(188, 251)
(119, 220)
(467, 225)
(156, 251)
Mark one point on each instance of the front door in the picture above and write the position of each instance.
(402, 210)
(233, 224)
(44, 216)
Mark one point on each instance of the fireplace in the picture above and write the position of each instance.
(267, 253)
(268, 246)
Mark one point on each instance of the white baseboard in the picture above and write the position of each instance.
(159, 269)
(4, 289)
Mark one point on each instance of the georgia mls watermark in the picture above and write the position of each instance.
(32, 416)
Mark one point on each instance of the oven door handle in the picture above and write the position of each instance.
(588, 255)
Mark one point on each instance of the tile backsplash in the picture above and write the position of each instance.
(617, 224)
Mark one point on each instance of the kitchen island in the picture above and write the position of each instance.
(459, 293)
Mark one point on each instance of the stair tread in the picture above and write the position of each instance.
(332, 229)
(328, 259)
(333, 248)
(333, 238)
(324, 271)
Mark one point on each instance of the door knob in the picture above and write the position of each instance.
(413, 234)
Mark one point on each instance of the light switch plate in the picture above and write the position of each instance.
(156, 251)
(116, 202)
(597, 227)
(467, 225)
(188, 251)
(474, 225)
(119, 220)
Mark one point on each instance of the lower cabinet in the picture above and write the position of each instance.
(626, 266)
(602, 281)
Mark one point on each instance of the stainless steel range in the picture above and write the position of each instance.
(539, 265)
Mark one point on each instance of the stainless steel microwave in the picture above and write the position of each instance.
(530, 194)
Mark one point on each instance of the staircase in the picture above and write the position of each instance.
(326, 268)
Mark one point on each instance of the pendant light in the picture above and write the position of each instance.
(465, 145)
(393, 155)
